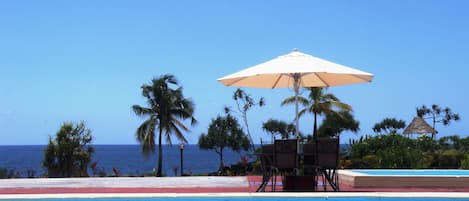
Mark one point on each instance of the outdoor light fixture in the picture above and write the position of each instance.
(181, 148)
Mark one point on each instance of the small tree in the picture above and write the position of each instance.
(224, 132)
(390, 125)
(244, 102)
(69, 153)
(336, 123)
(278, 127)
(437, 115)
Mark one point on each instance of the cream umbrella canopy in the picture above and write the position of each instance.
(296, 70)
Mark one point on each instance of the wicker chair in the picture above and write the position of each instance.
(327, 161)
(267, 165)
(286, 158)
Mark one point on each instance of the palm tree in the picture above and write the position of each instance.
(167, 110)
(318, 102)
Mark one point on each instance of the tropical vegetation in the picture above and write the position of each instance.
(224, 132)
(437, 115)
(337, 122)
(279, 127)
(69, 152)
(166, 110)
(390, 125)
(318, 103)
(244, 102)
(394, 150)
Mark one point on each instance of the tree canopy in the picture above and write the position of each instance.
(244, 102)
(336, 123)
(389, 125)
(166, 111)
(437, 115)
(278, 127)
(69, 152)
(224, 132)
(318, 102)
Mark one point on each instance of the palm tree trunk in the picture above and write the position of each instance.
(160, 155)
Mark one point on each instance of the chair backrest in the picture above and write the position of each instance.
(286, 155)
(309, 154)
(267, 155)
(328, 153)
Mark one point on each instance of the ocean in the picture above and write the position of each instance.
(127, 159)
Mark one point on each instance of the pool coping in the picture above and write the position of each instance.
(213, 195)
(361, 180)
(355, 172)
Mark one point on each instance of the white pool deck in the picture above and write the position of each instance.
(126, 182)
(360, 180)
(178, 182)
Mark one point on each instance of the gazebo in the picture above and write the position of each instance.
(419, 126)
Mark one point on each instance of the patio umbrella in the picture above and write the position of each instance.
(296, 70)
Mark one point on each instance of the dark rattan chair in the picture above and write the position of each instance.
(310, 167)
(327, 161)
(267, 165)
(286, 158)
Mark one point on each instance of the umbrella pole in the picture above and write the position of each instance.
(296, 86)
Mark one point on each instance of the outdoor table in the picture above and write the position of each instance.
(303, 175)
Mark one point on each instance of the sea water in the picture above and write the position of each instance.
(127, 159)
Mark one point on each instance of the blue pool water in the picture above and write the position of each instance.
(261, 199)
(431, 172)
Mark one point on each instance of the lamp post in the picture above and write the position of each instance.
(181, 148)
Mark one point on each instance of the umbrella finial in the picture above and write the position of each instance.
(296, 50)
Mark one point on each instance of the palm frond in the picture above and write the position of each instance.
(141, 111)
(291, 100)
(177, 132)
(341, 106)
(175, 124)
(146, 136)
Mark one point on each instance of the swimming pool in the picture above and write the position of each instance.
(389, 178)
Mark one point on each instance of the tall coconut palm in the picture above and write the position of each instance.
(318, 102)
(167, 109)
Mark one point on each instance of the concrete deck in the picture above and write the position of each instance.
(162, 185)
(126, 182)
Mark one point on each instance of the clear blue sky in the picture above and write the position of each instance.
(86, 60)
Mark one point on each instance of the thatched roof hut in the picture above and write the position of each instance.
(419, 126)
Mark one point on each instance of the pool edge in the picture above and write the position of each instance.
(276, 194)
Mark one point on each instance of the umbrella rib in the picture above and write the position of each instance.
(361, 78)
(322, 80)
(235, 81)
(276, 81)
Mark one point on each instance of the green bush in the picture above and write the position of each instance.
(450, 159)
(371, 161)
(424, 162)
(3, 173)
(465, 163)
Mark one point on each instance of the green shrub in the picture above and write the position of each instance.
(424, 162)
(3, 173)
(465, 163)
(450, 159)
(371, 161)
